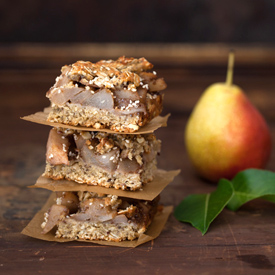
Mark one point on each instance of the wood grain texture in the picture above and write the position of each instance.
(241, 242)
(168, 54)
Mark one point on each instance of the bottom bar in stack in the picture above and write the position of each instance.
(93, 216)
(77, 212)
(33, 229)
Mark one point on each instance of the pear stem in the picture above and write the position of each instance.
(229, 76)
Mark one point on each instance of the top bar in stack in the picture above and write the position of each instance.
(118, 95)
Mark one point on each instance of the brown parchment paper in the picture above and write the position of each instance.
(33, 229)
(152, 189)
(150, 127)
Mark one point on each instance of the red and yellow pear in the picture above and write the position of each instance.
(225, 133)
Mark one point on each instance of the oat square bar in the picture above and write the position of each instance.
(121, 161)
(120, 95)
(92, 216)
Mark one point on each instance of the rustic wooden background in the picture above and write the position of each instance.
(241, 242)
(200, 21)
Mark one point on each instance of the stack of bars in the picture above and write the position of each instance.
(101, 153)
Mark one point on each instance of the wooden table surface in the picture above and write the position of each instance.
(241, 242)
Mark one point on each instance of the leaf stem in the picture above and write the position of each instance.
(205, 226)
(229, 76)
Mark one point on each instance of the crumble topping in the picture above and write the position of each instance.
(108, 73)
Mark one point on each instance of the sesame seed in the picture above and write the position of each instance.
(146, 86)
(64, 147)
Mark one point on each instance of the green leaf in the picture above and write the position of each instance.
(201, 209)
(251, 184)
(270, 198)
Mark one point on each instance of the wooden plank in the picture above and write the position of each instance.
(169, 53)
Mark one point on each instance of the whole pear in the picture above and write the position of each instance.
(225, 133)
